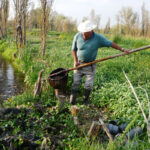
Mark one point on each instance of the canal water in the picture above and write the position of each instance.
(11, 81)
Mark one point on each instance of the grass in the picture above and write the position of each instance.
(110, 90)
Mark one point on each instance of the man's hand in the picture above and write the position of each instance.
(125, 50)
(76, 64)
(114, 45)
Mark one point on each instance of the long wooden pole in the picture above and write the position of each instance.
(133, 90)
(100, 60)
(147, 120)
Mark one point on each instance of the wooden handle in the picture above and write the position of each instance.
(100, 60)
(109, 57)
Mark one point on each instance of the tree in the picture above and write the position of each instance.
(18, 20)
(107, 27)
(128, 19)
(68, 25)
(46, 6)
(52, 20)
(95, 18)
(118, 24)
(84, 19)
(145, 20)
(35, 18)
(4, 11)
(1, 30)
(21, 13)
(25, 10)
(136, 31)
(61, 23)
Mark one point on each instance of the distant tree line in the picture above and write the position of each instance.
(128, 22)
(44, 18)
(57, 22)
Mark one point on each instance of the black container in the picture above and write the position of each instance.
(59, 81)
(113, 129)
(132, 133)
(123, 127)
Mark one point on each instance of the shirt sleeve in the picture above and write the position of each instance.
(74, 43)
(104, 42)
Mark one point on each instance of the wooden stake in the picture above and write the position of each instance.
(60, 97)
(94, 129)
(76, 120)
(38, 85)
(106, 130)
(75, 110)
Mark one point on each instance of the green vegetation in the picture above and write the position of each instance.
(111, 91)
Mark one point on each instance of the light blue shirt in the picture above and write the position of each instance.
(87, 50)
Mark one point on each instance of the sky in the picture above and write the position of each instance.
(77, 9)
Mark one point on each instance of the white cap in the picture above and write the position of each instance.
(86, 26)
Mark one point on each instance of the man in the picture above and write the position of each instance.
(84, 49)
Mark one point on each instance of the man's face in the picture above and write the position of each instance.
(87, 35)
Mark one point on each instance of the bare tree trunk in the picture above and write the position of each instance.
(4, 8)
(143, 19)
(43, 42)
(18, 25)
(24, 29)
(44, 5)
(21, 13)
(45, 15)
(1, 32)
(6, 11)
(19, 35)
(25, 5)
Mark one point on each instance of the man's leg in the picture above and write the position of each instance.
(89, 79)
(76, 82)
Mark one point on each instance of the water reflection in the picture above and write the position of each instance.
(11, 81)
